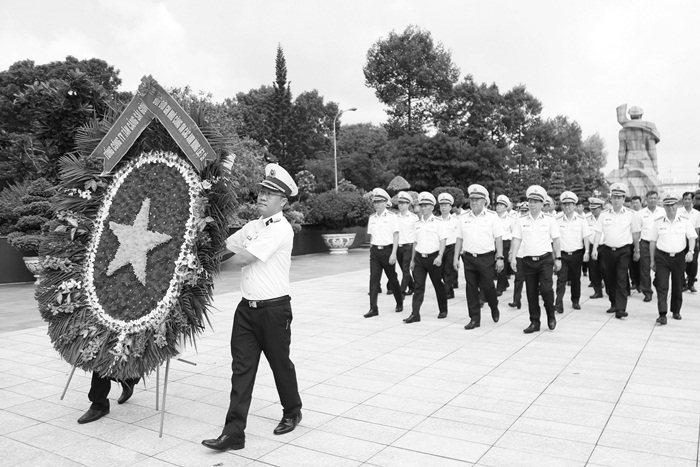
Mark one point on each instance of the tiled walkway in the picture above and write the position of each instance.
(597, 391)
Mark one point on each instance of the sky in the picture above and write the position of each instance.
(580, 59)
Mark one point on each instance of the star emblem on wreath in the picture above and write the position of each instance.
(135, 241)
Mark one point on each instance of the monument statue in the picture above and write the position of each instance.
(638, 167)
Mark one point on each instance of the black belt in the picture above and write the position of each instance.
(537, 258)
(646, 241)
(381, 247)
(268, 302)
(425, 255)
(670, 254)
(480, 255)
(405, 244)
(572, 252)
(615, 248)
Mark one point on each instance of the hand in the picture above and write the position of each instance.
(455, 263)
(594, 254)
(499, 265)
(636, 255)
(392, 259)
(438, 261)
(689, 257)
(514, 265)
(557, 265)
(410, 266)
(586, 257)
(653, 264)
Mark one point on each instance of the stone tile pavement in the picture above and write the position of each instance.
(595, 392)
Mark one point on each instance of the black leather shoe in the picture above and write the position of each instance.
(531, 328)
(551, 323)
(621, 314)
(499, 293)
(647, 298)
(495, 315)
(576, 306)
(692, 289)
(481, 303)
(372, 313)
(224, 443)
(398, 309)
(409, 292)
(677, 315)
(413, 318)
(514, 305)
(389, 292)
(450, 294)
(597, 295)
(91, 415)
(661, 320)
(442, 314)
(472, 324)
(559, 309)
(287, 424)
(610, 310)
(127, 391)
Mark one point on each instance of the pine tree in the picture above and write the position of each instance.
(281, 127)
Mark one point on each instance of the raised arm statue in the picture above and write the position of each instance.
(638, 140)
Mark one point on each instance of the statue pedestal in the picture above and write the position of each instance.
(639, 180)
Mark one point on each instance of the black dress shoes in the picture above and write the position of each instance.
(610, 310)
(661, 320)
(575, 306)
(224, 443)
(677, 315)
(495, 315)
(127, 391)
(647, 298)
(472, 324)
(551, 323)
(597, 295)
(559, 309)
(499, 293)
(531, 328)
(442, 315)
(619, 314)
(514, 305)
(372, 313)
(287, 424)
(413, 318)
(91, 415)
(450, 294)
(409, 292)
(398, 309)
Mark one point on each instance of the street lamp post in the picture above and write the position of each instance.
(335, 144)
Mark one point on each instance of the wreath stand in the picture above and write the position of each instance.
(165, 388)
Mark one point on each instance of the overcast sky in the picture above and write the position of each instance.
(580, 59)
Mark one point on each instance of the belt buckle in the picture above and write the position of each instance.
(252, 303)
(424, 255)
(671, 255)
(613, 248)
(535, 258)
(474, 255)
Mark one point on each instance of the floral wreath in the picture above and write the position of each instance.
(126, 286)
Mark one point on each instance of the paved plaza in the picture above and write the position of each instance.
(595, 392)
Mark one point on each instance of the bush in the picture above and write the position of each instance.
(33, 214)
(10, 199)
(338, 210)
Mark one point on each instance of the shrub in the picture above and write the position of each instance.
(33, 214)
(338, 210)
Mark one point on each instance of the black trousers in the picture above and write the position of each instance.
(691, 269)
(502, 277)
(634, 269)
(403, 257)
(99, 390)
(479, 272)
(422, 268)
(538, 281)
(615, 265)
(519, 280)
(378, 262)
(673, 267)
(257, 330)
(595, 273)
(570, 271)
(449, 273)
(645, 268)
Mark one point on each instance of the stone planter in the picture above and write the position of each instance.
(339, 243)
(12, 268)
(33, 263)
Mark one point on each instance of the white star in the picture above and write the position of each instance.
(135, 241)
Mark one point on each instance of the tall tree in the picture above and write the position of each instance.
(411, 74)
(281, 128)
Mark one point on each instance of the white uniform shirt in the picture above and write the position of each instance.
(536, 234)
(407, 227)
(270, 241)
(572, 232)
(428, 235)
(592, 222)
(479, 233)
(647, 219)
(382, 228)
(506, 225)
(618, 227)
(670, 236)
(452, 225)
(693, 216)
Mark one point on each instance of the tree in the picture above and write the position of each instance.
(280, 126)
(411, 75)
(365, 155)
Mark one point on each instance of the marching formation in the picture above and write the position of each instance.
(620, 245)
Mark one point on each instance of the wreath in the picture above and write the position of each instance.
(129, 267)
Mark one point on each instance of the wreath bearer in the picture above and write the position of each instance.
(262, 322)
